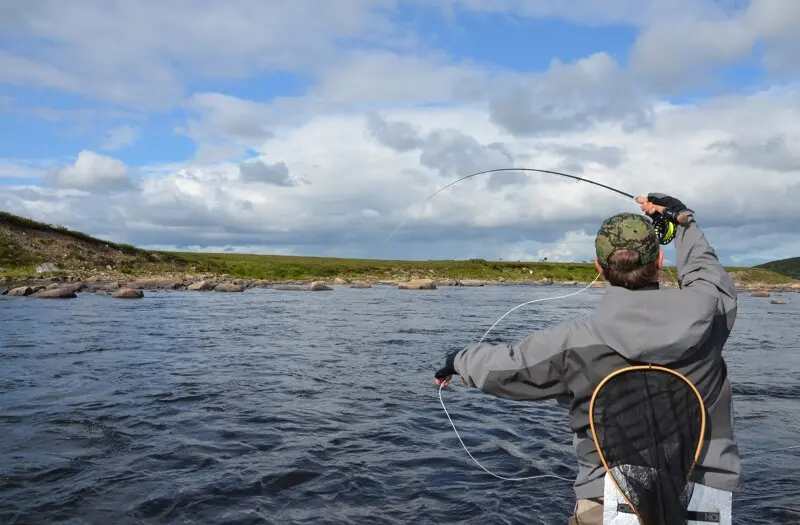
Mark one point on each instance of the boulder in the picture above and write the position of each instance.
(154, 283)
(129, 293)
(361, 285)
(340, 280)
(760, 293)
(319, 286)
(64, 292)
(777, 301)
(72, 287)
(200, 286)
(417, 284)
(228, 287)
(21, 291)
(47, 267)
(447, 282)
(472, 282)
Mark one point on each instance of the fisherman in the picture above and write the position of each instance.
(637, 322)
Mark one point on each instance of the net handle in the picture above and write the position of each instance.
(645, 367)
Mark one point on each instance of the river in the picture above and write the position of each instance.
(320, 408)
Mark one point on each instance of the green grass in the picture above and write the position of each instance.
(25, 243)
(788, 267)
(285, 267)
(759, 275)
(13, 255)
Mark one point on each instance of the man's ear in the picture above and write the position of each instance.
(597, 265)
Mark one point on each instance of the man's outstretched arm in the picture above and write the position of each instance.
(532, 369)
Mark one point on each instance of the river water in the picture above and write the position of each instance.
(320, 408)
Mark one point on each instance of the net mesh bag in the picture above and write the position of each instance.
(648, 425)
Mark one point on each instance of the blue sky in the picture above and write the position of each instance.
(182, 95)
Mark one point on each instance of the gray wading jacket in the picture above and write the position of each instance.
(681, 328)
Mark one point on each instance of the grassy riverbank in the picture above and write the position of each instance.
(26, 244)
(282, 267)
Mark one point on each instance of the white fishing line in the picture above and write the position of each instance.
(441, 387)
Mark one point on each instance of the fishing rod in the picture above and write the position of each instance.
(664, 221)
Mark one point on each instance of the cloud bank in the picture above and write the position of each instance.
(317, 129)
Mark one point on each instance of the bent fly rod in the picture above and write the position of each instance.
(663, 222)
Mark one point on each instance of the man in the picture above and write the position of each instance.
(636, 322)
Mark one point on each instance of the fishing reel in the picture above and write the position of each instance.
(664, 224)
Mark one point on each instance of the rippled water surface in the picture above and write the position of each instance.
(309, 408)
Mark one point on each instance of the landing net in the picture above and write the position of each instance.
(648, 424)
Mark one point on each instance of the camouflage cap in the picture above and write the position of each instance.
(626, 231)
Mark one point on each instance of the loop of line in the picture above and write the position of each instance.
(481, 340)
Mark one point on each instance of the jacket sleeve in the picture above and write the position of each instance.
(531, 369)
(699, 268)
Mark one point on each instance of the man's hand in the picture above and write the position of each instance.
(659, 203)
(443, 375)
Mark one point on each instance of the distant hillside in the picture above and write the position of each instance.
(25, 244)
(788, 267)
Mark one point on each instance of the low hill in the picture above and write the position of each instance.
(788, 267)
(26, 244)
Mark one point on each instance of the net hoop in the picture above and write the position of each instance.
(612, 375)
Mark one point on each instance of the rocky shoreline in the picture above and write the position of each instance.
(65, 287)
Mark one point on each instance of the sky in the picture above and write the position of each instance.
(317, 128)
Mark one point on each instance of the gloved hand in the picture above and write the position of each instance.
(668, 206)
(444, 374)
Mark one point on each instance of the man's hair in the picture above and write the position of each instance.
(625, 269)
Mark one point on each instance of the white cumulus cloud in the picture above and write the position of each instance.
(385, 118)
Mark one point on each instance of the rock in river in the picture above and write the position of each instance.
(155, 283)
(64, 292)
(20, 291)
(228, 287)
(129, 293)
(417, 284)
(200, 286)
